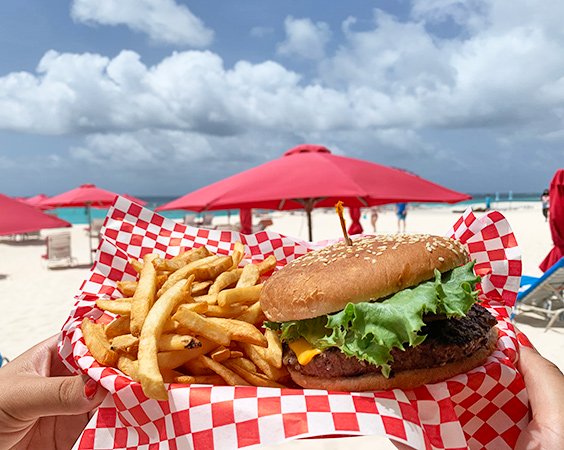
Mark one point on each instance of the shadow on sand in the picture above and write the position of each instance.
(23, 243)
(76, 266)
(3, 276)
(538, 321)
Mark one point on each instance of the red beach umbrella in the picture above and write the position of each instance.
(37, 200)
(310, 176)
(555, 220)
(86, 195)
(16, 218)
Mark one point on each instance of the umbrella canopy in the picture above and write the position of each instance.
(37, 201)
(84, 195)
(310, 176)
(556, 220)
(17, 218)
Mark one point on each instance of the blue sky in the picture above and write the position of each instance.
(164, 96)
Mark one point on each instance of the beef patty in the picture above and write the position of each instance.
(447, 340)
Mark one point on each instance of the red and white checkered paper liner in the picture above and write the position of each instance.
(486, 407)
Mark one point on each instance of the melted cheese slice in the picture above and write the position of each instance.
(303, 350)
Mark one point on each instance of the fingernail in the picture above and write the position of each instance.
(90, 389)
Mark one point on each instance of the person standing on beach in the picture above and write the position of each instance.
(374, 217)
(545, 202)
(401, 213)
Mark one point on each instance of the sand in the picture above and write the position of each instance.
(36, 300)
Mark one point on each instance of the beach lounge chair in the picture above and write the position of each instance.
(96, 227)
(3, 360)
(59, 250)
(190, 219)
(544, 295)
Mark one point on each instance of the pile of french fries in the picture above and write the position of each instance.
(191, 319)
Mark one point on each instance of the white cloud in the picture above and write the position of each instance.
(164, 21)
(390, 87)
(304, 38)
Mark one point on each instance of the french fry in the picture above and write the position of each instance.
(201, 326)
(220, 354)
(149, 374)
(225, 311)
(267, 264)
(125, 343)
(192, 319)
(118, 306)
(177, 358)
(241, 331)
(256, 355)
(243, 295)
(245, 363)
(213, 269)
(184, 272)
(144, 295)
(168, 342)
(237, 255)
(196, 367)
(129, 366)
(137, 265)
(249, 276)
(127, 287)
(97, 343)
(200, 308)
(228, 375)
(192, 255)
(117, 327)
(253, 314)
(174, 376)
(253, 378)
(201, 287)
(210, 299)
(214, 379)
(224, 280)
(273, 353)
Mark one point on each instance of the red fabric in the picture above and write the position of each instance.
(556, 220)
(84, 195)
(356, 227)
(16, 218)
(313, 172)
(246, 219)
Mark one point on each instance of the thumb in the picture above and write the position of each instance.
(52, 396)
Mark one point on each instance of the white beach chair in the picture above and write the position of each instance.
(59, 250)
(96, 227)
(544, 295)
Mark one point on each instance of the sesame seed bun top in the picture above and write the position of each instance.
(374, 267)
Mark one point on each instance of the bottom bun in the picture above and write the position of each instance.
(406, 379)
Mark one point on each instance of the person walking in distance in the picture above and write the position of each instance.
(545, 202)
(374, 217)
(401, 213)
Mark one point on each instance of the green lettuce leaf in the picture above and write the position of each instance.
(369, 330)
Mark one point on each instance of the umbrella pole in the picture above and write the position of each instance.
(308, 208)
(90, 232)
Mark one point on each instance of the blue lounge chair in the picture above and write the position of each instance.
(3, 360)
(543, 295)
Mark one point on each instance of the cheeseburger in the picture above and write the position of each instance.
(385, 312)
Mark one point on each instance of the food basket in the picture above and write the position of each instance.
(484, 408)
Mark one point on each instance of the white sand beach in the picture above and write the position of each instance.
(36, 300)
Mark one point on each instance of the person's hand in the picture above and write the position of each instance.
(41, 404)
(545, 386)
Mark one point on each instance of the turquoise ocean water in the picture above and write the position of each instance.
(79, 215)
